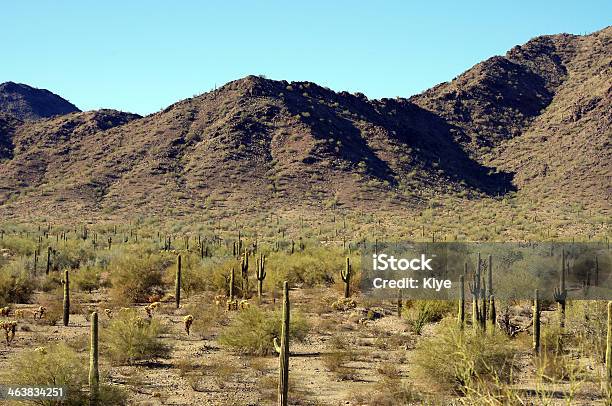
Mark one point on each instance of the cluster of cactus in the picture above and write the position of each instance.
(283, 350)
(10, 328)
(261, 275)
(482, 291)
(346, 278)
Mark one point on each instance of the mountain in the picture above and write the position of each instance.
(28, 103)
(536, 121)
(543, 112)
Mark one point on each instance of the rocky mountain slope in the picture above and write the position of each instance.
(27, 103)
(536, 120)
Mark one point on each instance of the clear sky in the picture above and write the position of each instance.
(141, 56)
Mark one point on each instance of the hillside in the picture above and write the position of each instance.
(28, 103)
(536, 120)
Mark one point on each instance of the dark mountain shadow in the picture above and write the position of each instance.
(438, 146)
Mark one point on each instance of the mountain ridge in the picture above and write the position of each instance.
(270, 144)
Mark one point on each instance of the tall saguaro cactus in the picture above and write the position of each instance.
(177, 282)
(94, 374)
(560, 293)
(609, 344)
(461, 316)
(244, 268)
(66, 281)
(231, 285)
(490, 277)
(48, 261)
(261, 275)
(283, 350)
(346, 278)
(536, 322)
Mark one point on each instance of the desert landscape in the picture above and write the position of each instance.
(211, 253)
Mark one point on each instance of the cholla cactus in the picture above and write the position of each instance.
(21, 313)
(232, 304)
(9, 327)
(244, 304)
(40, 312)
(151, 308)
(220, 299)
(4, 311)
(188, 320)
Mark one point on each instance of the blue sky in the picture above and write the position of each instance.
(141, 56)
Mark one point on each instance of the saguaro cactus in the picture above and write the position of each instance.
(536, 322)
(609, 344)
(490, 277)
(261, 275)
(244, 268)
(66, 282)
(177, 282)
(399, 303)
(48, 261)
(461, 316)
(560, 293)
(346, 278)
(283, 350)
(231, 285)
(492, 312)
(94, 375)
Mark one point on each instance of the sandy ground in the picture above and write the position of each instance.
(200, 372)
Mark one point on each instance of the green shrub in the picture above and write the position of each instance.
(421, 312)
(205, 317)
(136, 275)
(16, 284)
(130, 338)
(253, 331)
(86, 278)
(458, 359)
(58, 365)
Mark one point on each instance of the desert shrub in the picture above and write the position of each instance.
(208, 274)
(48, 283)
(58, 365)
(205, 317)
(130, 338)
(18, 245)
(16, 284)
(316, 266)
(421, 312)
(136, 275)
(457, 359)
(337, 362)
(586, 324)
(253, 331)
(54, 312)
(388, 392)
(86, 279)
